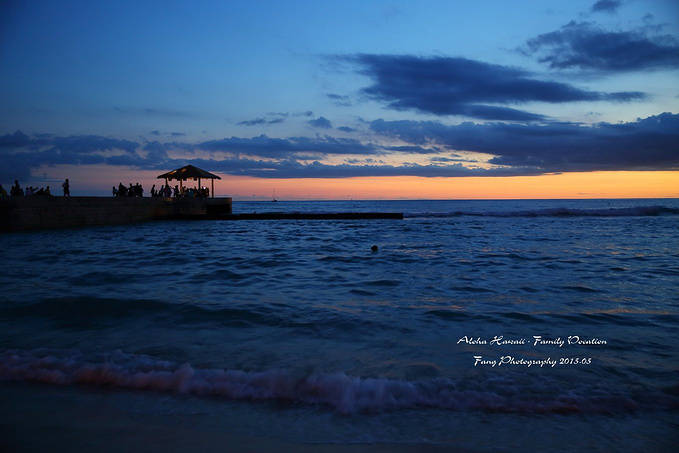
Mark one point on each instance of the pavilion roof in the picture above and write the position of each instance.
(188, 172)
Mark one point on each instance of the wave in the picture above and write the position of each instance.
(339, 391)
(638, 211)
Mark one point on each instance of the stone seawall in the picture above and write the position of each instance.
(36, 212)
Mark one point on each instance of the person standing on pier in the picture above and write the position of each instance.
(67, 188)
(16, 190)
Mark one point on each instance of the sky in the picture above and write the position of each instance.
(339, 100)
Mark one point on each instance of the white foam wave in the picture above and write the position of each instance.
(346, 394)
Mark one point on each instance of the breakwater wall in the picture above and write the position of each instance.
(312, 216)
(37, 212)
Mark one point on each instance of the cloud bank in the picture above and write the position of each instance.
(586, 46)
(608, 6)
(320, 122)
(515, 149)
(460, 86)
(645, 144)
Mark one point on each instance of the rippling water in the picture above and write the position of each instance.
(295, 330)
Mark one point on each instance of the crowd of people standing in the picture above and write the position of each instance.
(17, 191)
(133, 190)
(179, 192)
(165, 191)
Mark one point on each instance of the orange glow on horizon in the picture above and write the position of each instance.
(87, 180)
(647, 184)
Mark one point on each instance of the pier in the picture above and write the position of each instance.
(40, 212)
(43, 212)
(313, 216)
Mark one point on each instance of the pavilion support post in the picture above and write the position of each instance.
(213, 187)
(199, 187)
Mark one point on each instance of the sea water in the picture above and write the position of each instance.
(482, 325)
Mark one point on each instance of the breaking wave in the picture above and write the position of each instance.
(339, 391)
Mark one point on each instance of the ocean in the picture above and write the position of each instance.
(545, 325)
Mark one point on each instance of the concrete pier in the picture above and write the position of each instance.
(312, 216)
(41, 212)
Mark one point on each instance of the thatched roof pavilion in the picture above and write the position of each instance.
(190, 172)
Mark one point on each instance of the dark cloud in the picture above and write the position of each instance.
(166, 146)
(20, 152)
(272, 118)
(294, 169)
(369, 160)
(351, 129)
(339, 100)
(261, 121)
(450, 159)
(413, 149)
(609, 6)
(288, 114)
(157, 133)
(521, 149)
(269, 147)
(79, 144)
(320, 122)
(264, 146)
(151, 111)
(645, 144)
(459, 86)
(17, 139)
(583, 45)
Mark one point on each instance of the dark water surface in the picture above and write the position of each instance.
(295, 331)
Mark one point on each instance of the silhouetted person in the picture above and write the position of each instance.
(67, 188)
(16, 190)
(374, 248)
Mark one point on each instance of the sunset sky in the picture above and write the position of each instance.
(352, 99)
